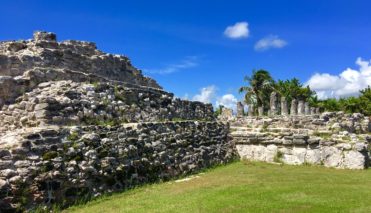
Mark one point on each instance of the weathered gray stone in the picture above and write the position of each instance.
(261, 111)
(226, 114)
(313, 156)
(293, 108)
(317, 111)
(304, 140)
(8, 173)
(312, 110)
(3, 184)
(240, 109)
(301, 107)
(251, 110)
(273, 104)
(44, 36)
(306, 108)
(284, 109)
(75, 121)
(332, 157)
(354, 160)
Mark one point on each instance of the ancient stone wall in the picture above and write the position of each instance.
(65, 164)
(43, 51)
(73, 103)
(332, 139)
(296, 147)
(77, 123)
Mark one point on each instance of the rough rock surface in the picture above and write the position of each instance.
(77, 123)
(26, 63)
(56, 165)
(332, 139)
(18, 57)
(74, 103)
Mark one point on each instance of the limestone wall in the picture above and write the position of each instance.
(43, 51)
(296, 148)
(328, 121)
(76, 123)
(48, 165)
(74, 103)
(331, 139)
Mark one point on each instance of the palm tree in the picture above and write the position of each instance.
(260, 85)
(365, 99)
(293, 89)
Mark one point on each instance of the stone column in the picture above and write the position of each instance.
(273, 104)
(284, 110)
(312, 110)
(294, 107)
(301, 109)
(240, 111)
(251, 110)
(261, 110)
(317, 111)
(306, 108)
(227, 113)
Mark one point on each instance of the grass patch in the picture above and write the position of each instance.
(73, 137)
(278, 157)
(324, 135)
(50, 155)
(346, 138)
(248, 187)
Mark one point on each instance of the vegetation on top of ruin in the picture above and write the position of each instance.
(261, 85)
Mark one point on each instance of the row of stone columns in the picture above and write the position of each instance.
(297, 108)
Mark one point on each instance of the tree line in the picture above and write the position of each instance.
(261, 85)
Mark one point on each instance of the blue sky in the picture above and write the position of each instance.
(186, 47)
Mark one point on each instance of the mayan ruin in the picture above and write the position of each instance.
(194, 106)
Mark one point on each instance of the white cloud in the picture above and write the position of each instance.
(186, 63)
(271, 41)
(347, 83)
(227, 100)
(185, 96)
(238, 30)
(207, 94)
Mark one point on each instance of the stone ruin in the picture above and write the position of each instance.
(76, 122)
(302, 135)
(297, 107)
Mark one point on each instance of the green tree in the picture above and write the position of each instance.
(360, 104)
(350, 105)
(293, 89)
(330, 104)
(260, 85)
(365, 101)
(218, 111)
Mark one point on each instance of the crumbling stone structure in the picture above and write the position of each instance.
(77, 122)
(301, 107)
(331, 139)
(303, 136)
(276, 107)
(251, 111)
(240, 109)
(284, 109)
(273, 104)
(24, 64)
(294, 107)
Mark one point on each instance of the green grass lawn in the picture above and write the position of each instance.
(248, 187)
